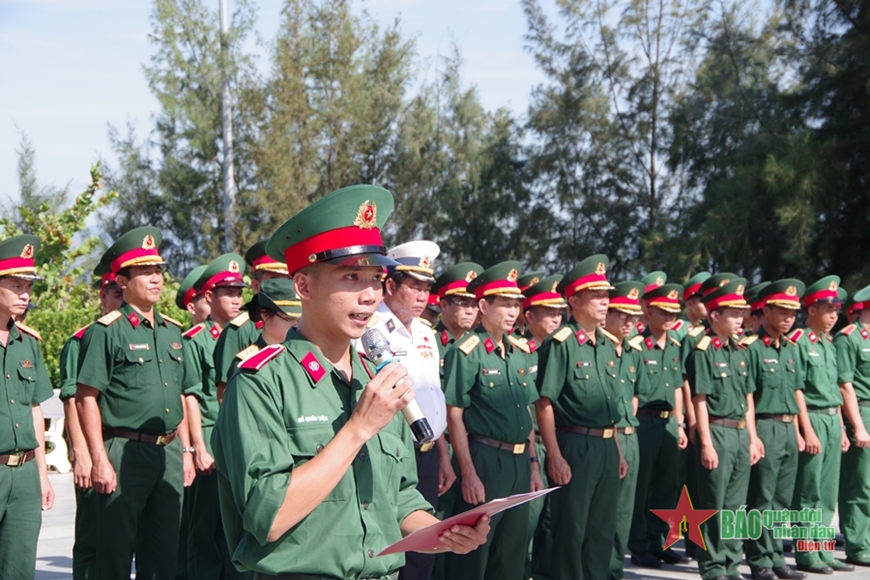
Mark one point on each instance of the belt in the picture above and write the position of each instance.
(515, 448)
(626, 430)
(783, 418)
(741, 424)
(391, 576)
(16, 458)
(160, 440)
(655, 413)
(823, 410)
(864, 403)
(424, 447)
(603, 433)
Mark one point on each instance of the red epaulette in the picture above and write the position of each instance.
(677, 325)
(78, 334)
(848, 330)
(257, 361)
(194, 331)
(796, 335)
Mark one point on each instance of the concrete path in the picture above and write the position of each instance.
(54, 554)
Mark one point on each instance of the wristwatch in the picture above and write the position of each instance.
(188, 450)
(534, 459)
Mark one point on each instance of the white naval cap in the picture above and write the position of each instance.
(415, 259)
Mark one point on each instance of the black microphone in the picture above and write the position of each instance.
(378, 350)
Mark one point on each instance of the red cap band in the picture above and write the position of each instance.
(220, 278)
(106, 279)
(542, 299)
(626, 302)
(494, 287)
(780, 299)
(586, 281)
(827, 294)
(265, 260)
(17, 264)
(459, 286)
(433, 300)
(727, 301)
(300, 255)
(189, 296)
(691, 291)
(134, 254)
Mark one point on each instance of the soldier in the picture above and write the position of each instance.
(314, 464)
(24, 485)
(818, 473)
(523, 282)
(753, 318)
(220, 284)
(853, 375)
(458, 307)
(851, 308)
(727, 445)
(488, 391)
(280, 310)
(577, 414)
(432, 311)
(190, 298)
(406, 290)
(661, 432)
(696, 313)
(129, 399)
(543, 308)
(775, 373)
(85, 546)
(650, 282)
(623, 312)
(243, 330)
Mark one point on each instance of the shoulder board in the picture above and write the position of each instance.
(697, 331)
(194, 331)
(257, 360)
(172, 321)
(241, 319)
(636, 342)
(703, 344)
(469, 344)
(796, 335)
(78, 334)
(747, 340)
(674, 340)
(520, 343)
(373, 320)
(563, 334)
(609, 336)
(738, 341)
(424, 321)
(110, 318)
(677, 325)
(247, 352)
(28, 330)
(848, 330)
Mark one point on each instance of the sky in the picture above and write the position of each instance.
(72, 68)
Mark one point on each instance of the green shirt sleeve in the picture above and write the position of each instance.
(459, 376)
(192, 368)
(701, 373)
(95, 362)
(552, 368)
(846, 359)
(69, 368)
(43, 390)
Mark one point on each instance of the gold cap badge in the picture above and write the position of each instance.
(27, 252)
(366, 215)
(148, 242)
(633, 294)
(833, 286)
(533, 281)
(740, 289)
(791, 291)
(600, 269)
(234, 267)
(672, 295)
(470, 276)
(512, 275)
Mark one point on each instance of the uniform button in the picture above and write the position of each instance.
(724, 375)
(362, 455)
(141, 360)
(587, 376)
(371, 553)
(12, 401)
(7, 376)
(608, 397)
(621, 380)
(667, 385)
(167, 409)
(160, 360)
(165, 384)
(366, 505)
(318, 449)
(518, 406)
(491, 384)
(16, 425)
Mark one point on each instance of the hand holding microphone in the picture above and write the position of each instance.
(378, 350)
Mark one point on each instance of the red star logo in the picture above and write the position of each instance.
(685, 518)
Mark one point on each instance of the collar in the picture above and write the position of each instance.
(767, 339)
(316, 366)
(14, 333)
(392, 322)
(135, 319)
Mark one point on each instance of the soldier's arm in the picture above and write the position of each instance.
(845, 374)
(102, 473)
(39, 457)
(756, 447)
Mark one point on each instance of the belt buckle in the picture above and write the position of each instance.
(664, 414)
(519, 448)
(426, 446)
(15, 459)
(163, 440)
(607, 433)
(741, 424)
(787, 418)
(629, 430)
(832, 411)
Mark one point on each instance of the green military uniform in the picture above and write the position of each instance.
(543, 293)
(853, 366)
(625, 297)
(775, 373)
(818, 475)
(187, 292)
(658, 482)
(719, 370)
(453, 282)
(580, 379)
(243, 330)
(139, 371)
(495, 390)
(285, 403)
(691, 289)
(24, 383)
(208, 556)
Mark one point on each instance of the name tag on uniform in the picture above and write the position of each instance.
(400, 353)
(770, 361)
(584, 363)
(811, 353)
(865, 350)
(487, 372)
(533, 369)
(721, 365)
(650, 362)
(140, 347)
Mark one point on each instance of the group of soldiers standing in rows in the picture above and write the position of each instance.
(262, 442)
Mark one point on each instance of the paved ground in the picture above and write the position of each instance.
(54, 557)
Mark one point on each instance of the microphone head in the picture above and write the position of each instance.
(377, 346)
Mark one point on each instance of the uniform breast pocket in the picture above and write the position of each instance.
(27, 377)
(306, 443)
(492, 379)
(393, 452)
(864, 360)
(134, 367)
(175, 363)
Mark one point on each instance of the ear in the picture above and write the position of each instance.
(390, 286)
(191, 308)
(482, 305)
(302, 283)
(122, 282)
(209, 296)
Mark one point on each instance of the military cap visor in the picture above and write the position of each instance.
(498, 280)
(279, 295)
(223, 271)
(105, 276)
(728, 295)
(188, 291)
(342, 228)
(824, 290)
(693, 284)
(752, 296)
(258, 260)
(653, 280)
(666, 297)
(529, 279)
(625, 297)
(17, 257)
(454, 280)
(138, 247)
(785, 293)
(544, 293)
(590, 274)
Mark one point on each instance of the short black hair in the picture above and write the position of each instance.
(125, 272)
